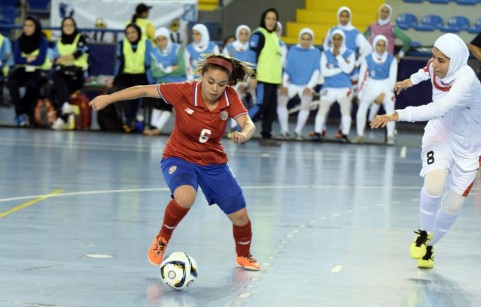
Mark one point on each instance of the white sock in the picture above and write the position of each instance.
(319, 123)
(301, 121)
(451, 206)
(346, 124)
(283, 113)
(427, 208)
(164, 117)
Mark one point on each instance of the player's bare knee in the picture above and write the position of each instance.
(185, 196)
(239, 218)
(433, 191)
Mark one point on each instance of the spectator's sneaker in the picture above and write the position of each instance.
(427, 261)
(21, 121)
(283, 136)
(359, 140)
(316, 136)
(157, 251)
(58, 124)
(344, 139)
(299, 137)
(390, 141)
(418, 247)
(248, 262)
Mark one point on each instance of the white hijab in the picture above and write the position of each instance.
(238, 45)
(379, 57)
(279, 29)
(456, 50)
(306, 31)
(348, 26)
(343, 46)
(205, 37)
(383, 22)
(163, 31)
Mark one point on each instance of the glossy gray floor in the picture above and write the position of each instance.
(332, 226)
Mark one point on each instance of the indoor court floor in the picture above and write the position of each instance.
(332, 226)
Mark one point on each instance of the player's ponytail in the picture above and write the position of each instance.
(238, 71)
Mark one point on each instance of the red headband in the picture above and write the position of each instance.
(220, 62)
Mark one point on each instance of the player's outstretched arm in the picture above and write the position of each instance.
(130, 93)
(382, 120)
(247, 129)
(402, 85)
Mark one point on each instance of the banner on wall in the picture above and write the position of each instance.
(114, 14)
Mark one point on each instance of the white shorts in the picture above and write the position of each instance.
(293, 90)
(438, 154)
(335, 94)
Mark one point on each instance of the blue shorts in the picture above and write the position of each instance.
(216, 181)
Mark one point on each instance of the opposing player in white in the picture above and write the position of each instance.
(300, 77)
(451, 147)
(377, 79)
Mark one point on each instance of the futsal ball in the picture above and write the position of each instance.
(178, 270)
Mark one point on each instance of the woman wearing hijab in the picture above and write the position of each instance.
(32, 69)
(337, 62)
(377, 79)
(200, 44)
(384, 26)
(265, 43)
(300, 77)
(133, 63)
(71, 63)
(451, 147)
(355, 41)
(240, 50)
(167, 65)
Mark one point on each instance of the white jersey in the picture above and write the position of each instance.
(455, 112)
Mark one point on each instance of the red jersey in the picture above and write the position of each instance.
(198, 132)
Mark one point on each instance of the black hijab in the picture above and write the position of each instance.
(67, 39)
(263, 18)
(28, 44)
(139, 32)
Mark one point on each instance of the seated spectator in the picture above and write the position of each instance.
(32, 70)
(240, 50)
(378, 76)
(167, 65)
(133, 63)
(337, 63)
(200, 44)
(70, 68)
(299, 79)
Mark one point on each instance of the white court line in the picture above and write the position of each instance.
(259, 187)
(403, 152)
(244, 188)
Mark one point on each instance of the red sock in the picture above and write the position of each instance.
(242, 237)
(172, 217)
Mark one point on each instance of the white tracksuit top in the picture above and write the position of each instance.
(454, 113)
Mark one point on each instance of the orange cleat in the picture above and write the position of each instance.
(248, 263)
(157, 250)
